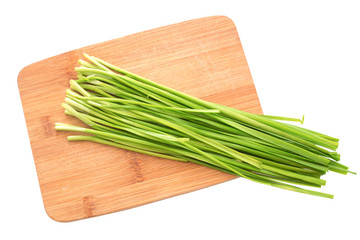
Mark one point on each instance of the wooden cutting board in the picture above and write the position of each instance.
(201, 57)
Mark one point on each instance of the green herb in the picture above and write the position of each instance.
(128, 111)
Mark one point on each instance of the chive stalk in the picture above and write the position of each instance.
(124, 110)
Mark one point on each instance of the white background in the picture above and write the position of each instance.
(304, 57)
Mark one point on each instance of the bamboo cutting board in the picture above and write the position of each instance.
(201, 57)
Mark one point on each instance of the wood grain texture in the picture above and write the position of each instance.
(201, 57)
